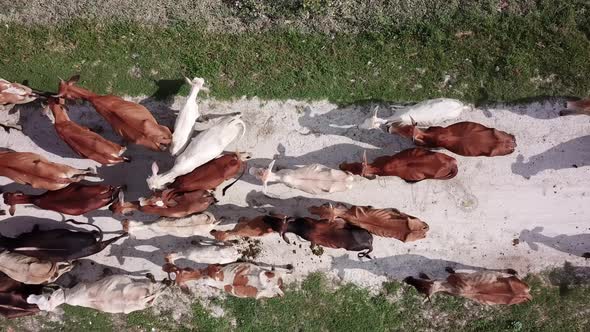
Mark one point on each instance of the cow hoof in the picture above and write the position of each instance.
(449, 270)
(511, 271)
(423, 275)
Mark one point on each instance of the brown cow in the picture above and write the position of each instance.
(485, 287)
(576, 107)
(167, 203)
(211, 174)
(380, 222)
(13, 297)
(412, 165)
(238, 279)
(130, 120)
(38, 172)
(255, 227)
(331, 234)
(82, 140)
(468, 139)
(75, 199)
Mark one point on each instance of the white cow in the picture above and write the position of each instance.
(188, 115)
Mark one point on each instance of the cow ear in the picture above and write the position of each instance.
(155, 168)
(74, 79)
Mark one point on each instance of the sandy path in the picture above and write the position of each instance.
(535, 194)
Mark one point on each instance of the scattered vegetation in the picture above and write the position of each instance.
(467, 55)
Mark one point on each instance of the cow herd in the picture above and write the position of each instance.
(181, 196)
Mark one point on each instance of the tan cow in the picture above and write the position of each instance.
(82, 140)
(238, 279)
(381, 222)
(130, 120)
(38, 172)
(167, 203)
(14, 93)
(30, 270)
(485, 287)
(112, 294)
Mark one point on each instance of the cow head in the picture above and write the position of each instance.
(65, 88)
(417, 227)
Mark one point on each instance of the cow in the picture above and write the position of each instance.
(211, 174)
(312, 179)
(467, 139)
(332, 234)
(130, 120)
(112, 294)
(412, 165)
(188, 115)
(381, 222)
(167, 203)
(255, 227)
(206, 146)
(31, 270)
(75, 199)
(38, 172)
(82, 140)
(244, 280)
(15, 94)
(576, 107)
(485, 287)
(428, 112)
(13, 298)
(206, 252)
(193, 225)
(57, 245)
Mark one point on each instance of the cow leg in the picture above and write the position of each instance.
(151, 277)
(511, 271)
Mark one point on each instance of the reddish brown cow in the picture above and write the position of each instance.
(75, 199)
(412, 165)
(13, 297)
(331, 234)
(167, 203)
(38, 172)
(130, 120)
(255, 227)
(380, 222)
(576, 107)
(468, 139)
(82, 140)
(485, 287)
(211, 174)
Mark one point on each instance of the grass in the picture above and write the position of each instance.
(317, 306)
(502, 58)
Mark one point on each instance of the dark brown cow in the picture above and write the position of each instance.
(211, 174)
(485, 287)
(412, 165)
(167, 203)
(130, 120)
(57, 245)
(75, 199)
(380, 222)
(576, 107)
(331, 234)
(245, 227)
(82, 140)
(468, 139)
(13, 297)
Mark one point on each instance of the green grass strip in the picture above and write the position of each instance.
(468, 56)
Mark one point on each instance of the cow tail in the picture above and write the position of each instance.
(100, 233)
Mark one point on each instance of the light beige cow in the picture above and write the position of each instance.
(30, 270)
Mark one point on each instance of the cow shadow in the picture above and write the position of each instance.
(87, 270)
(14, 226)
(343, 121)
(330, 156)
(165, 244)
(401, 266)
(569, 275)
(571, 154)
(578, 244)
(167, 88)
(538, 107)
